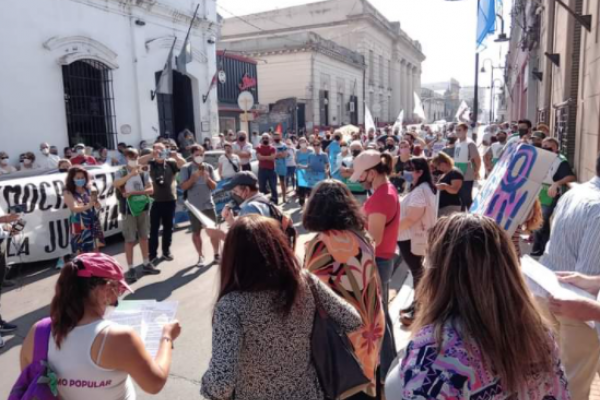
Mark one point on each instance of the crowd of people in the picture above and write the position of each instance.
(476, 328)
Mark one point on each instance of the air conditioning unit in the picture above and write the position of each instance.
(351, 107)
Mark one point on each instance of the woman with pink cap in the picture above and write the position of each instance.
(93, 358)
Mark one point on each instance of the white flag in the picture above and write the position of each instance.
(369, 122)
(399, 122)
(462, 110)
(419, 111)
(165, 82)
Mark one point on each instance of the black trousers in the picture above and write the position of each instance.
(3, 270)
(246, 167)
(415, 263)
(466, 195)
(161, 213)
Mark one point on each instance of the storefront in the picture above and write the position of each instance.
(237, 75)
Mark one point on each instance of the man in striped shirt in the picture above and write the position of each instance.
(574, 246)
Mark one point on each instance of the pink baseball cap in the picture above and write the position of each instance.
(365, 161)
(101, 266)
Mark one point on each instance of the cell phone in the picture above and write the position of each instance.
(17, 209)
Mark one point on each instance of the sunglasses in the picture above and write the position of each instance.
(3, 158)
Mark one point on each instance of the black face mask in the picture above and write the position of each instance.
(452, 140)
(242, 139)
(355, 153)
(523, 132)
(277, 140)
(337, 138)
(63, 170)
(237, 198)
(390, 147)
(265, 142)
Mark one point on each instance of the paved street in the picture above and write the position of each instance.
(195, 289)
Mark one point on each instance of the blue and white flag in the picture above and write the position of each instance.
(486, 20)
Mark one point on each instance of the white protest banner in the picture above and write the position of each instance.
(515, 183)
(399, 122)
(47, 232)
(369, 122)
(419, 111)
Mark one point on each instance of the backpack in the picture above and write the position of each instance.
(37, 381)
(287, 224)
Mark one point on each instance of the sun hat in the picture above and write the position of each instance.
(365, 161)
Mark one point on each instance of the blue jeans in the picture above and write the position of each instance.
(385, 269)
(268, 176)
(290, 179)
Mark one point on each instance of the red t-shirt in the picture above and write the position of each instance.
(266, 151)
(80, 160)
(385, 201)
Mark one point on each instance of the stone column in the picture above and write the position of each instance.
(410, 105)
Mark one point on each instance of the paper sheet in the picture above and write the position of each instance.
(544, 282)
(147, 318)
(207, 222)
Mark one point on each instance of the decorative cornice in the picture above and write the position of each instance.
(165, 42)
(73, 48)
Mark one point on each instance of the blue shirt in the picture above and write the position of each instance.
(257, 204)
(317, 162)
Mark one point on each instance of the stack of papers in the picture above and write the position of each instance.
(147, 318)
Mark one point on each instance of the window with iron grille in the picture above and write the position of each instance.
(89, 103)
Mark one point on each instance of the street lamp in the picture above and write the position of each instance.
(483, 71)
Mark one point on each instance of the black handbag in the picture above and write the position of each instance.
(340, 373)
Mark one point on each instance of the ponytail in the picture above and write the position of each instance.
(70, 298)
(386, 165)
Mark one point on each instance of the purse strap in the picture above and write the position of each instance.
(41, 340)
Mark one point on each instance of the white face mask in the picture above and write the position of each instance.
(45, 151)
(132, 163)
(4, 162)
(27, 162)
(303, 145)
(198, 159)
(79, 152)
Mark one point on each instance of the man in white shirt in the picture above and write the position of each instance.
(243, 149)
(46, 160)
(229, 163)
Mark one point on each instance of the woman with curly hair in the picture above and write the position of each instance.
(342, 256)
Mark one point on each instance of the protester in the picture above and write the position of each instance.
(553, 186)
(198, 181)
(537, 138)
(255, 139)
(185, 141)
(318, 161)
(103, 156)
(229, 163)
(450, 144)
(280, 163)
(45, 160)
(64, 166)
(243, 149)
(5, 167)
(573, 247)
(543, 128)
(264, 316)
(467, 327)
(85, 347)
(86, 230)
(164, 167)
(245, 195)
(492, 155)
(449, 184)
(468, 160)
(81, 158)
(135, 188)
(266, 155)
(67, 153)
(302, 157)
(382, 209)
(290, 163)
(532, 223)
(401, 177)
(5, 233)
(120, 158)
(27, 161)
(208, 144)
(417, 216)
(343, 257)
(524, 131)
(54, 150)
(220, 142)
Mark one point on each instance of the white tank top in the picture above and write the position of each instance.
(78, 376)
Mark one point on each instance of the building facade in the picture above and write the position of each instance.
(554, 75)
(451, 93)
(393, 60)
(325, 79)
(434, 105)
(85, 71)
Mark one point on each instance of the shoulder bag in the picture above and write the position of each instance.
(339, 371)
(37, 381)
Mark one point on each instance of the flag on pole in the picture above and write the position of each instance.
(369, 122)
(486, 20)
(419, 111)
(185, 56)
(399, 122)
(462, 110)
(279, 129)
(165, 82)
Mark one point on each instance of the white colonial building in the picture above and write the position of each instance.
(83, 71)
(323, 39)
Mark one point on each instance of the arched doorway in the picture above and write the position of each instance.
(89, 104)
(176, 111)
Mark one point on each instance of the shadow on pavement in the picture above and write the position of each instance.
(24, 323)
(162, 290)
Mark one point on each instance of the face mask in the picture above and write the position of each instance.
(277, 140)
(132, 163)
(452, 140)
(198, 159)
(523, 132)
(27, 162)
(405, 151)
(408, 177)
(4, 162)
(303, 145)
(63, 170)
(242, 139)
(366, 184)
(45, 152)
(237, 198)
(80, 182)
(344, 148)
(265, 142)
(390, 147)
(355, 153)
(79, 152)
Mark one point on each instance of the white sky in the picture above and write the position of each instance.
(445, 29)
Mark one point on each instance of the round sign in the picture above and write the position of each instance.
(125, 129)
(222, 76)
(246, 101)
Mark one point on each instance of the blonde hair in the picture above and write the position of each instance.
(443, 158)
(473, 281)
